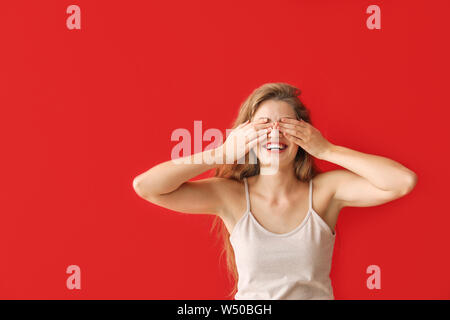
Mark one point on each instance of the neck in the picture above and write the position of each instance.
(276, 185)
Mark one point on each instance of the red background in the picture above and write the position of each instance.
(85, 111)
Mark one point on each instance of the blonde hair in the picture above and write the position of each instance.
(304, 165)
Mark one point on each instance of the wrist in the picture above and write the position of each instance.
(209, 158)
(219, 155)
(214, 157)
(328, 153)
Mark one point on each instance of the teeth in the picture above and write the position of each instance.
(275, 146)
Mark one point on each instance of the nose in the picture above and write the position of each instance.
(274, 131)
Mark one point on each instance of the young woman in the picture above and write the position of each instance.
(278, 213)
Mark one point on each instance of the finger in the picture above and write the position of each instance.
(262, 131)
(246, 123)
(242, 124)
(256, 133)
(295, 140)
(258, 121)
(250, 129)
(291, 126)
(262, 126)
(293, 132)
(261, 120)
(293, 121)
(255, 141)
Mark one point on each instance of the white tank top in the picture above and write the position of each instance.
(288, 266)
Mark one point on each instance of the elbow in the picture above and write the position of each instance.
(410, 183)
(143, 191)
(137, 187)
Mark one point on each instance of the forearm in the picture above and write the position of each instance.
(169, 175)
(384, 173)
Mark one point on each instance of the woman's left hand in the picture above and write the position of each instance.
(306, 136)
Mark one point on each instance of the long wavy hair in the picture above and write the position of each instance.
(304, 165)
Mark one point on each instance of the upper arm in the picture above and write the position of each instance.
(199, 196)
(352, 190)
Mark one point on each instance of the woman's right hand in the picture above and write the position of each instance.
(243, 138)
(167, 184)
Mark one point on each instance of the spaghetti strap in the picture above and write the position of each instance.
(247, 197)
(282, 266)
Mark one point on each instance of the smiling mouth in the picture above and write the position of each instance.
(275, 146)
